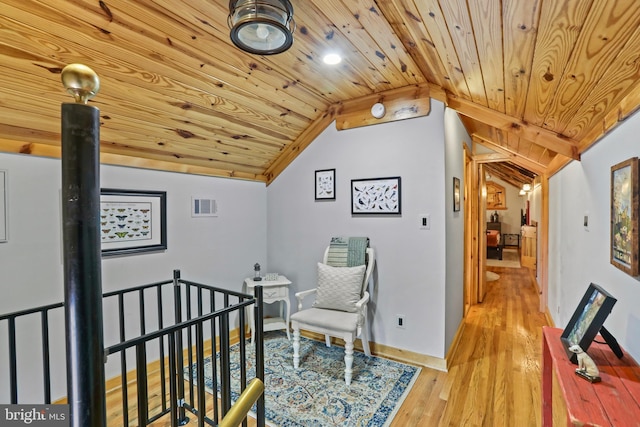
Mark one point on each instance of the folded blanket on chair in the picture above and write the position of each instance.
(347, 251)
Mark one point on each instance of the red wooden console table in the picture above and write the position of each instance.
(613, 402)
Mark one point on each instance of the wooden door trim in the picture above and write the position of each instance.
(469, 256)
(543, 241)
(482, 231)
(477, 230)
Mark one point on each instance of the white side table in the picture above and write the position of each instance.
(273, 291)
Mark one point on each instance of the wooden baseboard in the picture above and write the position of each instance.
(532, 274)
(454, 346)
(547, 315)
(397, 354)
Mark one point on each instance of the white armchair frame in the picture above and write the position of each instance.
(334, 323)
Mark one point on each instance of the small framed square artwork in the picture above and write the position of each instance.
(326, 184)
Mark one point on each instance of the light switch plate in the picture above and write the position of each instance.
(585, 221)
(425, 222)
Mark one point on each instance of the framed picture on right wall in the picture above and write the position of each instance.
(456, 194)
(624, 216)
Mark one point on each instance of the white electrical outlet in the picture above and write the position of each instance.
(425, 221)
(400, 321)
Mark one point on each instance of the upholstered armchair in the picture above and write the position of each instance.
(340, 308)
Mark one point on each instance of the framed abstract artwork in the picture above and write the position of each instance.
(326, 184)
(376, 196)
(132, 221)
(624, 216)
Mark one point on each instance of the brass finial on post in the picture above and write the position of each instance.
(81, 82)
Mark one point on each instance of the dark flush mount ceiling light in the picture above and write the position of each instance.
(263, 27)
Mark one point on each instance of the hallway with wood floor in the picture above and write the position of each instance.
(495, 375)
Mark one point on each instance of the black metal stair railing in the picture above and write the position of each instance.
(11, 328)
(201, 314)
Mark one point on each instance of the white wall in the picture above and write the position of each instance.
(217, 251)
(455, 137)
(579, 256)
(411, 263)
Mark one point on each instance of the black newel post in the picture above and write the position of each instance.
(81, 245)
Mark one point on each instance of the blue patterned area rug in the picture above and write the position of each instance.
(315, 394)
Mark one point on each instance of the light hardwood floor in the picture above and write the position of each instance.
(495, 375)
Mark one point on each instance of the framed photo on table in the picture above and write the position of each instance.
(624, 216)
(588, 320)
(132, 221)
(376, 196)
(325, 184)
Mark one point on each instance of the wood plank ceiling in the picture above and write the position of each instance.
(537, 81)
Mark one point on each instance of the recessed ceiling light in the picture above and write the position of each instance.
(332, 59)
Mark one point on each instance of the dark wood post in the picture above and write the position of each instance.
(259, 343)
(81, 247)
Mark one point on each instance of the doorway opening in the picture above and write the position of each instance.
(495, 213)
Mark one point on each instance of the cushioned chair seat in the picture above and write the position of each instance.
(331, 319)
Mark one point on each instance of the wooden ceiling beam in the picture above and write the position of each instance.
(403, 103)
(503, 166)
(499, 170)
(629, 105)
(296, 147)
(492, 157)
(514, 157)
(53, 151)
(556, 165)
(535, 134)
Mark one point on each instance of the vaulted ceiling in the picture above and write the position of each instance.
(536, 81)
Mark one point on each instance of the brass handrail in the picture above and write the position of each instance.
(239, 410)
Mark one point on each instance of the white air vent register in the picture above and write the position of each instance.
(201, 206)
